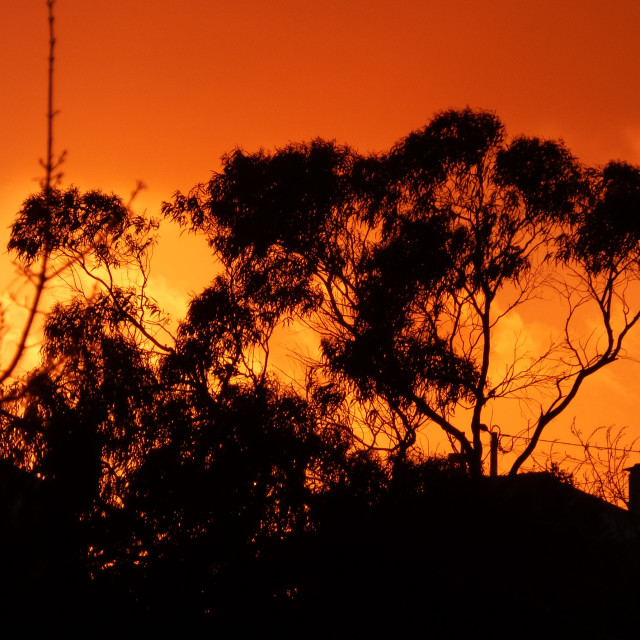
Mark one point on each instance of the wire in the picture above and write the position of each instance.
(574, 444)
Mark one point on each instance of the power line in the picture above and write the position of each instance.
(573, 444)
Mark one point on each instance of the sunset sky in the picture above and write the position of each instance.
(159, 90)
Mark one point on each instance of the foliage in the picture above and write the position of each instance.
(191, 481)
(75, 224)
(406, 265)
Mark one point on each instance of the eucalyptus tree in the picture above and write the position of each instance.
(406, 264)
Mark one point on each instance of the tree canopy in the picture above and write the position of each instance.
(405, 264)
(187, 476)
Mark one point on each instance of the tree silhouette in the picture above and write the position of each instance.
(406, 265)
(73, 430)
(156, 478)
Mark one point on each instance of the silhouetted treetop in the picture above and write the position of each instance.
(544, 175)
(75, 223)
(261, 200)
(397, 260)
(609, 227)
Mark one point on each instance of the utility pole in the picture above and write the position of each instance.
(493, 459)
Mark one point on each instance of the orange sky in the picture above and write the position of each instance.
(159, 90)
